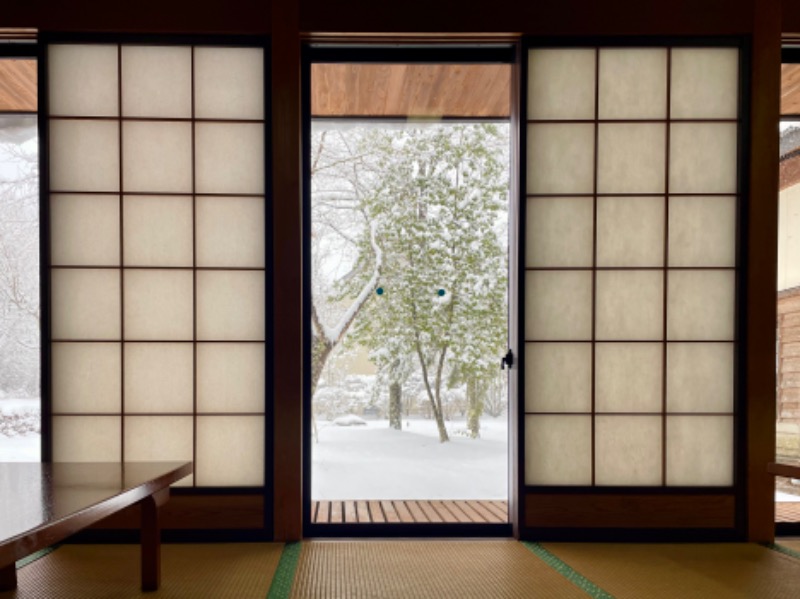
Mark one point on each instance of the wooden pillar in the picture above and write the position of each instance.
(761, 269)
(288, 271)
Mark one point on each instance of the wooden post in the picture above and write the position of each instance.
(761, 268)
(287, 213)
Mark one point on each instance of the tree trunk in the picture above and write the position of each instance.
(475, 397)
(396, 406)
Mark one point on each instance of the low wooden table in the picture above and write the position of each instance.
(42, 504)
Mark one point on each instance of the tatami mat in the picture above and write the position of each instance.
(793, 544)
(219, 571)
(422, 569)
(684, 570)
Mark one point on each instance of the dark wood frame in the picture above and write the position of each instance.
(431, 53)
(236, 496)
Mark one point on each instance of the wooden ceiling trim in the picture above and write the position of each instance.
(415, 90)
(17, 85)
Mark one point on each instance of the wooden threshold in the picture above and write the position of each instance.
(406, 511)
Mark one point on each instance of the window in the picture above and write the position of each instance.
(20, 370)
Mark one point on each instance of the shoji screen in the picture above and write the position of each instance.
(158, 256)
(630, 266)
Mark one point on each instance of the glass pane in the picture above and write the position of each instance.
(633, 83)
(86, 377)
(158, 231)
(85, 304)
(700, 305)
(630, 231)
(229, 158)
(629, 305)
(230, 305)
(84, 230)
(700, 450)
(561, 83)
(628, 377)
(702, 158)
(558, 450)
(157, 157)
(705, 83)
(700, 377)
(230, 451)
(229, 83)
(631, 158)
(230, 377)
(559, 232)
(82, 81)
(20, 335)
(560, 158)
(84, 156)
(159, 377)
(158, 304)
(87, 438)
(558, 305)
(558, 377)
(702, 231)
(230, 231)
(628, 450)
(157, 81)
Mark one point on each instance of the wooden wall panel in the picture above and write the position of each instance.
(629, 511)
(197, 512)
(788, 388)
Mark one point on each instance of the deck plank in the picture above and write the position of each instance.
(404, 512)
(337, 513)
(376, 512)
(416, 511)
(350, 513)
(445, 515)
(362, 511)
(494, 510)
(473, 514)
(322, 514)
(485, 512)
(461, 515)
(502, 508)
(391, 514)
(428, 510)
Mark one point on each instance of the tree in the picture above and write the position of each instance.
(434, 213)
(340, 231)
(19, 256)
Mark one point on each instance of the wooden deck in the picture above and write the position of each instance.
(787, 511)
(409, 512)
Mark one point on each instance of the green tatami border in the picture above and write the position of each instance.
(281, 586)
(567, 571)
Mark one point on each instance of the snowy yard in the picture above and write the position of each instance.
(20, 440)
(377, 462)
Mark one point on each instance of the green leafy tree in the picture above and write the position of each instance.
(434, 213)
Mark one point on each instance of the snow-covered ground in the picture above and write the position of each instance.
(376, 462)
(18, 446)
